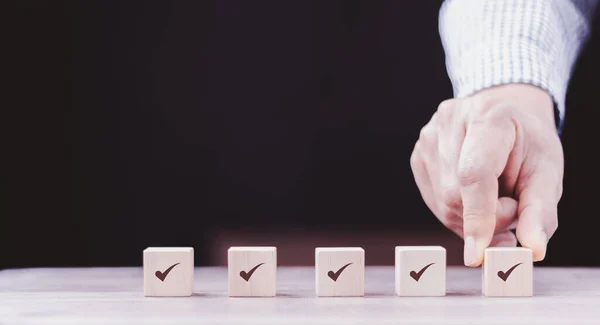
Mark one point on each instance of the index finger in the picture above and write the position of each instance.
(484, 155)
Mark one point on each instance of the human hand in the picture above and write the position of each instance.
(491, 163)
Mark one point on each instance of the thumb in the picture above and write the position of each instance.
(483, 157)
(538, 202)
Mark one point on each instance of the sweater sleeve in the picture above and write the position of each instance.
(494, 42)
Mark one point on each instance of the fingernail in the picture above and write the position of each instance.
(543, 242)
(470, 254)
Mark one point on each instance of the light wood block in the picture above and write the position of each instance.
(340, 272)
(168, 271)
(508, 272)
(252, 271)
(420, 271)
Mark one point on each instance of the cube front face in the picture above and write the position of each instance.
(420, 271)
(508, 272)
(252, 271)
(168, 271)
(340, 272)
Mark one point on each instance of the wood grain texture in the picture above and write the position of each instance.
(508, 272)
(168, 271)
(412, 279)
(107, 296)
(333, 281)
(252, 271)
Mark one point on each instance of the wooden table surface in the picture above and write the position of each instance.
(114, 296)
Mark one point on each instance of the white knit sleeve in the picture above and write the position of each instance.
(493, 42)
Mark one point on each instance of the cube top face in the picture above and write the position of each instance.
(339, 249)
(508, 272)
(252, 248)
(168, 271)
(340, 271)
(420, 271)
(420, 248)
(252, 271)
(169, 249)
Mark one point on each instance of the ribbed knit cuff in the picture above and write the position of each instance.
(494, 42)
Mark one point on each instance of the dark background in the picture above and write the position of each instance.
(208, 123)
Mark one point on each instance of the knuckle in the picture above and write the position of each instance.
(449, 219)
(476, 216)
(478, 222)
(487, 104)
(415, 158)
(483, 104)
(446, 108)
(470, 173)
(427, 133)
(451, 197)
(490, 110)
(446, 104)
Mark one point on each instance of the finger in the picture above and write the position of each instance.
(451, 134)
(508, 180)
(506, 214)
(421, 176)
(483, 156)
(538, 202)
(422, 165)
(504, 239)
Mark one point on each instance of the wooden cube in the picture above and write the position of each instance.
(340, 272)
(508, 272)
(252, 271)
(420, 271)
(168, 271)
